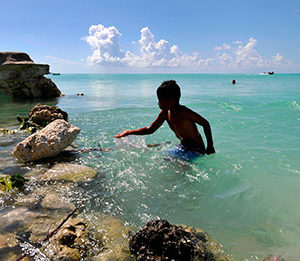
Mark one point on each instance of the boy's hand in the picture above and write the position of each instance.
(210, 150)
(122, 134)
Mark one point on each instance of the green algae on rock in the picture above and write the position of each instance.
(7, 131)
(8, 182)
(69, 172)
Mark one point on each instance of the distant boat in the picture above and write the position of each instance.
(55, 73)
(267, 73)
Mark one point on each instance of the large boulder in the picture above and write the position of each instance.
(21, 78)
(160, 240)
(47, 142)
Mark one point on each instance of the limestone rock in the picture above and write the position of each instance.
(44, 114)
(159, 240)
(47, 142)
(21, 78)
(69, 172)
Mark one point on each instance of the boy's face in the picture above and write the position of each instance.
(166, 103)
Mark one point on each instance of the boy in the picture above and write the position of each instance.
(180, 119)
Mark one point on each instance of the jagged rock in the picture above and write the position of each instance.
(69, 172)
(160, 240)
(21, 78)
(47, 142)
(44, 114)
(74, 241)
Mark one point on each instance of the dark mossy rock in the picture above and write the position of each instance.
(160, 240)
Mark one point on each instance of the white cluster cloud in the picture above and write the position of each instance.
(105, 43)
(245, 56)
(106, 50)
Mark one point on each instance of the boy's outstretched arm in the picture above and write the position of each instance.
(207, 131)
(162, 116)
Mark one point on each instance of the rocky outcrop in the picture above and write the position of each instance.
(47, 142)
(159, 240)
(21, 78)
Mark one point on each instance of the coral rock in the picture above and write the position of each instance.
(47, 142)
(44, 114)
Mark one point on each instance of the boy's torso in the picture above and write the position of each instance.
(185, 129)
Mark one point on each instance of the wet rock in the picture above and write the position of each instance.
(12, 219)
(115, 238)
(9, 248)
(30, 201)
(21, 78)
(44, 114)
(69, 172)
(159, 240)
(48, 142)
(74, 241)
(54, 201)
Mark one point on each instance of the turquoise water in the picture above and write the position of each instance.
(246, 196)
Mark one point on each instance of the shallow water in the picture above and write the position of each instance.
(245, 196)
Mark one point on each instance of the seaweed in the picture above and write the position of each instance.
(26, 124)
(10, 182)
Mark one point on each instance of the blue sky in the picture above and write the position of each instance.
(141, 36)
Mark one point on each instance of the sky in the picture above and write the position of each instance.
(143, 36)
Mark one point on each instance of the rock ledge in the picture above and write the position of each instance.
(21, 78)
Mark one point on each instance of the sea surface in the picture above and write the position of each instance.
(246, 195)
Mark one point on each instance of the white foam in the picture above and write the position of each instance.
(130, 142)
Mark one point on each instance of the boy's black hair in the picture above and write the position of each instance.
(169, 89)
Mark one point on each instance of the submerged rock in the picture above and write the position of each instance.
(69, 172)
(21, 78)
(74, 241)
(115, 238)
(47, 142)
(54, 201)
(160, 240)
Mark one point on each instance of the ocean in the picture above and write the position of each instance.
(246, 195)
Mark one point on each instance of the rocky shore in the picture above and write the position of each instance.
(40, 220)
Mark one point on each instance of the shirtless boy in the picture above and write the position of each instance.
(181, 120)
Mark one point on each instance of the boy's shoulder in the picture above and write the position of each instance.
(186, 109)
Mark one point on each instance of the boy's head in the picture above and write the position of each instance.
(168, 89)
